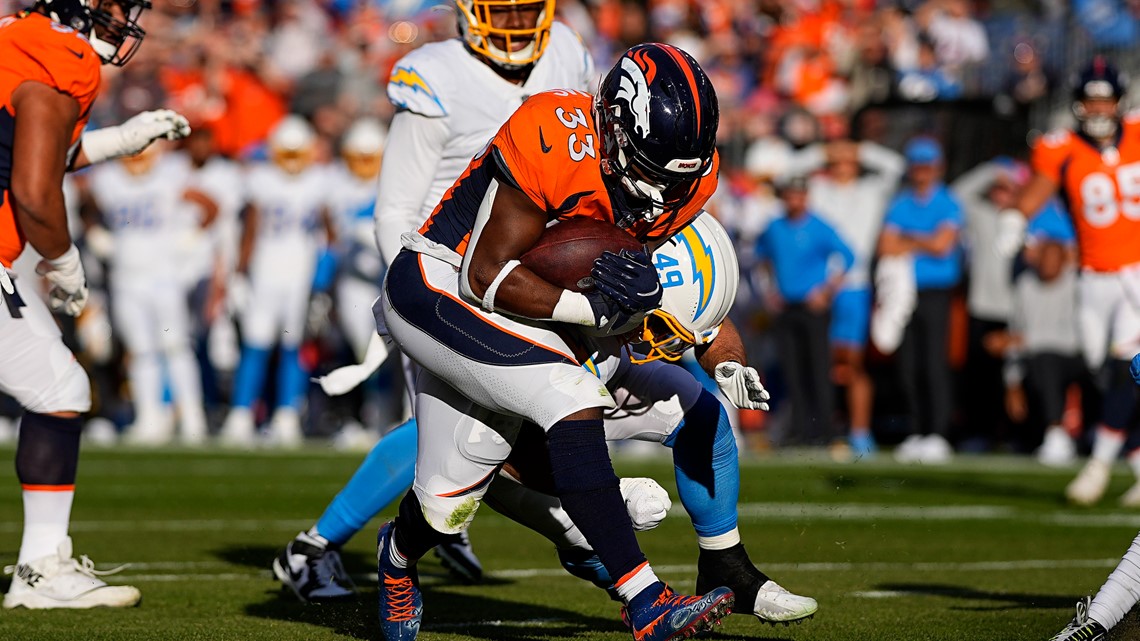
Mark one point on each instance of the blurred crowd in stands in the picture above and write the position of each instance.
(846, 127)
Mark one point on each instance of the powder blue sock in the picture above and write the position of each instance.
(386, 473)
(250, 375)
(292, 380)
(707, 467)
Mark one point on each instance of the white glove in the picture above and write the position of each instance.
(344, 379)
(134, 135)
(648, 503)
(1010, 236)
(68, 282)
(741, 385)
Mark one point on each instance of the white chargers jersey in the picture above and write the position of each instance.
(147, 215)
(450, 104)
(352, 202)
(288, 218)
(221, 180)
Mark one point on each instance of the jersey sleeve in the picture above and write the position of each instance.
(1050, 153)
(410, 87)
(62, 59)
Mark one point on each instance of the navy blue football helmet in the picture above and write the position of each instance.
(1100, 80)
(657, 115)
(115, 38)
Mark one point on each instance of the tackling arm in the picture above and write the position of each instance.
(418, 142)
(724, 359)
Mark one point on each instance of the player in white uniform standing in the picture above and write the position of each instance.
(451, 97)
(353, 201)
(280, 241)
(147, 205)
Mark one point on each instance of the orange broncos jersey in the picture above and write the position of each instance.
(35, 48)
(1101, 190)
(549, 150)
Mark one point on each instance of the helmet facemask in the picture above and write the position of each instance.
(476, 26)
(666, 338)
(1098, 125)
(114, 34)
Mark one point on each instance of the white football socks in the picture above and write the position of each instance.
(1108, 444)
(632, 584)
(1122, 590)
(46, 516)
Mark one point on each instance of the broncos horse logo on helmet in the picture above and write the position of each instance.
(699, 276)
(110, 25)
(657, 114)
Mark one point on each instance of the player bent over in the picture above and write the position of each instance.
(458, 302)
(49, 76)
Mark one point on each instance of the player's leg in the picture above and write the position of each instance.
(687, 418)
(310, 564)
(850, 320)
(527, 370)
(462, 447)
(259, 326)
(42, 375)
(1123, 395)
(1098, 298)
(173, 315)
(134, 319)
(822, 387)
(1047, 381)
(933, 311)
(1114, 599)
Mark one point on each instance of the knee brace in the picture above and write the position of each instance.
(47, 453)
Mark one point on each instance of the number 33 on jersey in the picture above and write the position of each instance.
(1102, 191)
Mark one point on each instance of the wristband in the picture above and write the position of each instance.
(573, 308)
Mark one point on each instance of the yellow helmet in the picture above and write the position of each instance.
(699, 276)
(293, 144)
(478, 30)
(363, 148)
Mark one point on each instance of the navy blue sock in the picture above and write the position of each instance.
(706, 466)
(414, 535)
(588, 488)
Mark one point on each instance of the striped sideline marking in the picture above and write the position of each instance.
(752, 511)
(528, 573)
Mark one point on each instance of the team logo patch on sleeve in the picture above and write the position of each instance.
(408, 90)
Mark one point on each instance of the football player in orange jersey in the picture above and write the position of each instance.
(49, 76)
(1097, 169)
(640, 155)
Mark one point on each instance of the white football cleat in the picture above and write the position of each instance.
(935, 450)
(1082, 628)
(1131, 498)
(910, 450)
(238, 430)
(1058, 449)
(192, 430)
(1090, 484)
(774, 604)
(59, 581)
(285, 429)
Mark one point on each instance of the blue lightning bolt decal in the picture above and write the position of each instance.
(703, 273)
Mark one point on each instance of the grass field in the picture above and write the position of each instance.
(982, 549)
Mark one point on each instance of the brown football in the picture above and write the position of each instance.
(566, 251)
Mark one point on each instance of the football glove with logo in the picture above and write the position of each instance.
(134, 135)
(68, 291)
(629, 279)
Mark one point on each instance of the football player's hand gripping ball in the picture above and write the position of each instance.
(741, 386)
(627, 288)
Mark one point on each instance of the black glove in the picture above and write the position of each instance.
(609, 317)
(628, 279)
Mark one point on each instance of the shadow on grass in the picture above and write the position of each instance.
(479, 616)
(1002, 600)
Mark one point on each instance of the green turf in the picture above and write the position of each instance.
(892, 553)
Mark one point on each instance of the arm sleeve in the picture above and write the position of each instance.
(415, 146)
(971, 186)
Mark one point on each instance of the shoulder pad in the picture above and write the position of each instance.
(409, 86)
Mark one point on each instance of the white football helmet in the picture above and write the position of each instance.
(363, 148)
(292, 144)
(477, 30)
(699, 274)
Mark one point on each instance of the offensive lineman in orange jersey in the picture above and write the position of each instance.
(1097, 170)
(640, 155)
(49, 76)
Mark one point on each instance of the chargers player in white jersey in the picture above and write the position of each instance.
(147, 204)
(450, 98)
(221, 178)
(281, 237)
(353, 187)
